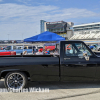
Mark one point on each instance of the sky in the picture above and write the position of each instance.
(20, 19)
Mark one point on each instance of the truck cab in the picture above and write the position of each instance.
(78, 62)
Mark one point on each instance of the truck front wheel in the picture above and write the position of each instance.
(15, 80)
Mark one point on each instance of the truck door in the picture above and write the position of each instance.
(75, 66)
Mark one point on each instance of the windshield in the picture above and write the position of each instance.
(81, 47)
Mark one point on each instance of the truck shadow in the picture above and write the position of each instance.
(64, 85)
(59, 85)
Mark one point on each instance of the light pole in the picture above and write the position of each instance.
(22, 36)
(23, 42)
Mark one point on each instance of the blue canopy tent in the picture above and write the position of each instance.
(45, 36)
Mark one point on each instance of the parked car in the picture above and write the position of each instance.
(49, 47)
(7, 53)
(98, 47)
(18, 51)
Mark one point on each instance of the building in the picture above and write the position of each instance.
(61, 28)
(42, 26)
(90, 31)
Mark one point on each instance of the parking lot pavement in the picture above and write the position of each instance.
(58, 91)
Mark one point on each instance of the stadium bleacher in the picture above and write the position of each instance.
(86, 36)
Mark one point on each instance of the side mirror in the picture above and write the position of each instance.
(85, 53)
(86, 56)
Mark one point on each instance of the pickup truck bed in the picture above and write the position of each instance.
(28, 60)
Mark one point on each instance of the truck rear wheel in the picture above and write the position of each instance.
(15, 81)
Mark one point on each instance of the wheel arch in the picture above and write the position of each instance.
(5, 72)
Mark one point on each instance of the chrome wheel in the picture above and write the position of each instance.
(15, 80)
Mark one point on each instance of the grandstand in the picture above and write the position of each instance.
(61, 28)
(91, 36)
(90, 31)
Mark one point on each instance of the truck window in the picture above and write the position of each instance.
(25, 47)
(19, 48)
(30, 47)
(75, 49)
(8, 48)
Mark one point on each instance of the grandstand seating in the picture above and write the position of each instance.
(86, 36)
(91, 36)
(97, 35)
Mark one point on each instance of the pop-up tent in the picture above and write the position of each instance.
(45, 36)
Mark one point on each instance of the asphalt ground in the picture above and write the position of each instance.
(57, 91)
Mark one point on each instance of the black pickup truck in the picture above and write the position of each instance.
(75, 62)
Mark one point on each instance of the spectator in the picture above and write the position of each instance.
(47, 52)
(25, 53)
(92, 47)
(35, 50)
(39, 52)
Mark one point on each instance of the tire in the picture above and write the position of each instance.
(15, 81)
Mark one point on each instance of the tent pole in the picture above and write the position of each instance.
(23, 47)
